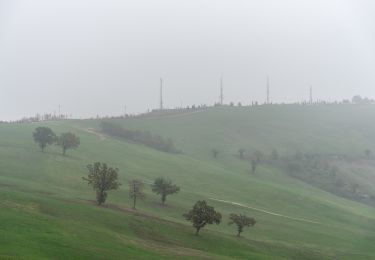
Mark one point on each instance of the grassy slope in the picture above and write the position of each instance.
(48, 188)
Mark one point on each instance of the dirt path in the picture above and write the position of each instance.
(265, 211)
(100, 136)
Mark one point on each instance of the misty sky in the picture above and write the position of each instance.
(95, 57)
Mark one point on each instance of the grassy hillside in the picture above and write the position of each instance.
(47, 210)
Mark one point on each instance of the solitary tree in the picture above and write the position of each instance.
(136, 191)
(102, 179)
(241, 152)
(241, 221)
(68, 141)
(214, 152)
(164, 187)
(202, 214)
(44, 136)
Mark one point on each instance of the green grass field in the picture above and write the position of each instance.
(47, 211)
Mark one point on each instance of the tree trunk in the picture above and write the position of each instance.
(134, 200)
(197, 232)
(163, 197)
(64, 151)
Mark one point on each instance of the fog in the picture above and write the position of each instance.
(96, 57)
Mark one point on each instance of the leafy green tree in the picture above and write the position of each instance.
(202, 214)
(241, 221)
(102, 179)
(136, 191)
(241, 152)
(44, 136)
(68, 141)
(164, 187)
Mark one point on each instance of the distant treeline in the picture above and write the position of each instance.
(143, 137)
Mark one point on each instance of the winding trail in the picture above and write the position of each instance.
(265, 211)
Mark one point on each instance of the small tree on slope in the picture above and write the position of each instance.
(102, 179)
(44, 136)
(202, 214)
(68, 141)
(241, 221)
(164, 187)
(136, 191)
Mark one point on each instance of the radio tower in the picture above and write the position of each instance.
(311, 96)
(221, 91)
(268, 90)
(161, 94)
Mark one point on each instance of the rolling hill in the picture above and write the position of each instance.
(47, 211)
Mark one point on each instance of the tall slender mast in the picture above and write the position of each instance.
(311, 95)
(221, 91)
(268, 90)
(161, 94)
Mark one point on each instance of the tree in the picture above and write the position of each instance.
(102, 179)
(241, 152)
(164, 187)
(68, 141)
(44, 136)
(136, 191)
(202, 214)
(214, 152)
(254, 164)
(357, 99)
(241, 221)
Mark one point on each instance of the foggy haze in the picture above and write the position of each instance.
(95, 57)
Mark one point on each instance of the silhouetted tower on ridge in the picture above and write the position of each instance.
(221, 91)
(161, 94)
(311, 96)
(268, 90)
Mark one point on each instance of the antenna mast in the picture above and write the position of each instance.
(161, 94)
(311, 95)
(221, 91)
(268, 90)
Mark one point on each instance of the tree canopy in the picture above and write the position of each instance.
(241, 221)
(202, 214)
(44, 136)
(164, 187)
(68, 141)
(102, 179)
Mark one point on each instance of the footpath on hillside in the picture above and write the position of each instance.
(264, 211)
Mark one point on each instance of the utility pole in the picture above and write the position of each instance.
(268, 90)
(221, 91)
(59, 112)
(161, 94)
(311, 96)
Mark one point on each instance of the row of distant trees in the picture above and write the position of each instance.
(44, 136)
(103, 178)
(143, 137)
(255, 158)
